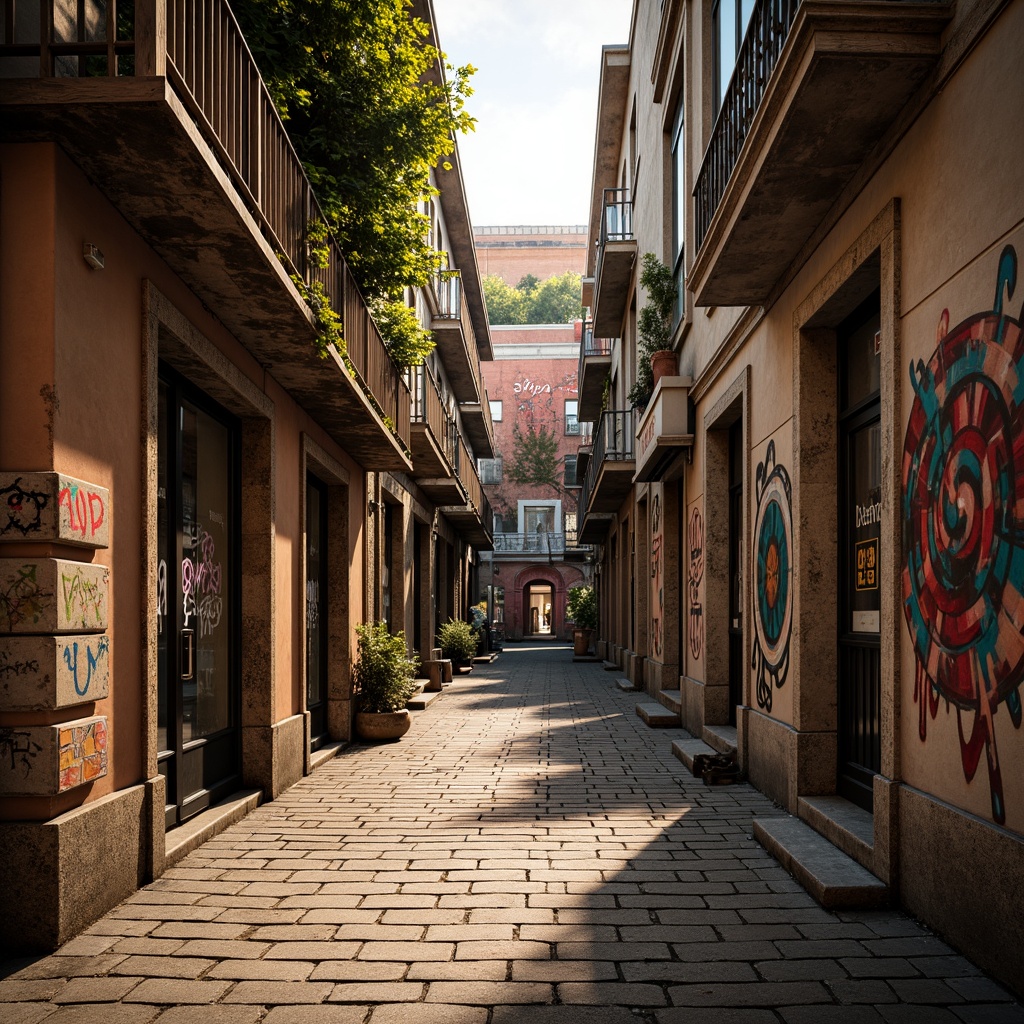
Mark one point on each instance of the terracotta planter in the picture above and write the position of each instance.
(663, 364)
(389, 725)
(581, 642)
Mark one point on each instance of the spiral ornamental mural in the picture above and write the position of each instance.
(773, 593)
(963, 527)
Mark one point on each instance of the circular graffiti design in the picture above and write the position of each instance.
(963, 526)
(773, 600)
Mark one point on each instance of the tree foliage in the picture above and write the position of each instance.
(534, 456)
(350, 80)
(554, 301)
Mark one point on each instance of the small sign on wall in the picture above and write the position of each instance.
(867, 564)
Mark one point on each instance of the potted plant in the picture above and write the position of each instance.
(384, 673)
(654, 328)
(581, 607)
(457, 642)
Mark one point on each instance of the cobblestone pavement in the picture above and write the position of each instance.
(530, 851)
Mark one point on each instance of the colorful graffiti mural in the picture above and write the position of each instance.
(83, 752)
(963, 527)
(694, 575)
(773, 592)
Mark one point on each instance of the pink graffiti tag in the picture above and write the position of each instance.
(201, 584)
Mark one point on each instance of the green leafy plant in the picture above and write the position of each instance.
(654, 325)
(384, 671)
(555, 300)
(581, 607)
(457, 641)
(534, 456)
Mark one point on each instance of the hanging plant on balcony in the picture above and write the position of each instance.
(654, 326)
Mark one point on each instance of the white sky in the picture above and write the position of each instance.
(535, 100)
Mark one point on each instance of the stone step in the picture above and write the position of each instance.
(657, 716)
(835, 880)
(687, 750)
(672, 699)
(485, 659)
(610, 666)
(721, 737)
(420, 701)
(843, 824)
(625, 684)
(592, 658)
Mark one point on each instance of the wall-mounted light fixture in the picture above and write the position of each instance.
(375, 506)
(92, 256)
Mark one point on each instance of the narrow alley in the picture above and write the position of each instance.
(531, 850)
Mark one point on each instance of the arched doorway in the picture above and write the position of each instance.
(539, 608)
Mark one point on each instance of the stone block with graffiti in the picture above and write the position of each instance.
(53, 595)
(49, 672)
(44, 760)
(53, 507)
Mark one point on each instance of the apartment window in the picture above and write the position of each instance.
(572, 423)
(570, 472)
(490, 471)
(729, 23)
(495, 411)
(506, 522)
(679, 199)
(570, 527)
(539, 519)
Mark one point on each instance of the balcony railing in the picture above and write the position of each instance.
(759, 53)
(428, 408)
(538, 543)
(614, 441)
(617, 216)
(448, 289)
(208, 64)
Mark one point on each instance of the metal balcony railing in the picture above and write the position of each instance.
(538, 543)
(199, 47)
(617, 216)
(428, 408)
(614, 441)
(448, 290)
(591, 347)
(759, 53)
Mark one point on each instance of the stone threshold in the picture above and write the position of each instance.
(611, 666)
(182, 840)
(672, 699)
(324, 754)
(834, 879)
(843, 824)
(626, 685)
(657, 716)
(687, 749)
(422, 700)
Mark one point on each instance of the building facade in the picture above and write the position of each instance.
(198, 508)
(531, 482)
(809, 535)
(513, 252)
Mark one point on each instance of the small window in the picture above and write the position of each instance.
(496, 411)
(490, 471)
(570, 471)
(572, 423)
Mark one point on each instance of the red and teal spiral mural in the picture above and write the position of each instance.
(963, 528)
(773, 595)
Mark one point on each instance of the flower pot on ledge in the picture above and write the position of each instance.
(663, 364)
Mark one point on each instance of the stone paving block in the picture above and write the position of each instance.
(873, 991)
(611, 994)
(211, 1015)
(30, 991)
(801, 970)
(321, 1014)
(377, 992)
(462, 970)
(757, 994)
(357, 970)
(277, 993)
(312, 951)
(729, 1015)
(423, 1013)
(613, 951)
(242, 949)
(407, 951)
(163, 966)
(101, 1013)
(489, 993)
(177, 992)
(559, 971)
(513, 949)
(672, 971)
(565, 1015)
(94, 990)
(67, 967)
(831, 1015)
(261, 970)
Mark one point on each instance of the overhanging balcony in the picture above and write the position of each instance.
(176, 128)
(456, 340)
(530, 545)
(434, 440)
(595, 366)
(615, 258)
(816, 86)
(664, 431)
(609, 474)
(472, 517)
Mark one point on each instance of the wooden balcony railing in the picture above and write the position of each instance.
(759, 53)
(199, 47)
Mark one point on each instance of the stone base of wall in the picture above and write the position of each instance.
(771, 758)
(274, 758)
(63, 874)
(965, 878)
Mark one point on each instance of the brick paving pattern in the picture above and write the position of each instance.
(530, 851)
